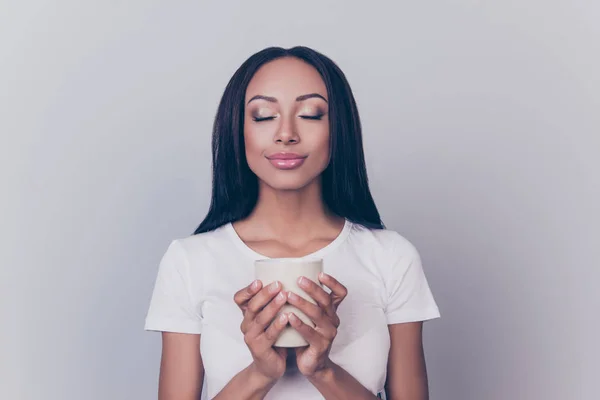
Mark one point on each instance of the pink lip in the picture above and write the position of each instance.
(286, 160)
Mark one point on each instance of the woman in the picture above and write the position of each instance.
(289, 180)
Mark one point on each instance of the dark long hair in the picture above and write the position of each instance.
(345, 188)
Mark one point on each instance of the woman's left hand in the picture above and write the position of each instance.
(315, 357)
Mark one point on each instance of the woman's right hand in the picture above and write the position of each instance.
(261, 328)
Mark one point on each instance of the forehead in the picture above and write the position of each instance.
(286, 78)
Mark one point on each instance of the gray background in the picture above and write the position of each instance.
(481, 124)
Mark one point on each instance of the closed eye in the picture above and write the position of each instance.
(258, 119)
(313, 117)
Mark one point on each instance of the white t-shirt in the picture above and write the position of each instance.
(199, 275)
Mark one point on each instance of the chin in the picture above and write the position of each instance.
(289, 183)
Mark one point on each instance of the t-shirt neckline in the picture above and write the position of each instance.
(341, 237)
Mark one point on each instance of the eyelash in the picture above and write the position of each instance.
(312, 117)
(256, 119)
(309, 117)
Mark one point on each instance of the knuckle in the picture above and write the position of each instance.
(246, 325)
(253, 307)
(319, 312)
(334, 332)
(237, 300)
(260, 319)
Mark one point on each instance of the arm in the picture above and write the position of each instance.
(407, 373)
(248, 384)
(173, 312)
(182, 373)
(181, 369)
(260, 327)
(331, 380)
(409, 303)
(335, 383)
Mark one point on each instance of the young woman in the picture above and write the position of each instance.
(289, 180)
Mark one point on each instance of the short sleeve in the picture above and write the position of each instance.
(172, 306)
(408, 293)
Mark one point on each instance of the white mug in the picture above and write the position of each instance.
(287, 271)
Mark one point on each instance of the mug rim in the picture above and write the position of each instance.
(288, 259)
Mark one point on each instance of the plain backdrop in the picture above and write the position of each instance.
(481, 127)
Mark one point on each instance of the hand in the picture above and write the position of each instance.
(315, 357)
(260, 327)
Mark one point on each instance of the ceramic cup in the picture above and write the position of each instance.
(287, 271)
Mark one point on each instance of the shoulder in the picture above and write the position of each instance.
(204, 244)
(386, 242)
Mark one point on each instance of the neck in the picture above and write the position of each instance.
(285, 213)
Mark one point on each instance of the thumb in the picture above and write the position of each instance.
(282, 351)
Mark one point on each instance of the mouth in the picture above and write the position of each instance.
(286, 161)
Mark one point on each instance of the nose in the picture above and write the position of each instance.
(286, 134)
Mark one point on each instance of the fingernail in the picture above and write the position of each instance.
(283, 318)
(274, 287)
(255, 285)
(321, 275)
(280, 297)
(301, 281)
(292, 296)
(293, 317)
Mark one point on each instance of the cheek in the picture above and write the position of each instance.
(321, 148)
(255, 143)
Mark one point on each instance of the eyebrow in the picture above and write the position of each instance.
(299, 98)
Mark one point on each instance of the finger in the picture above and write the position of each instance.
(257, 302)
(242, 297)
(315, 291)
(275, 329)
(268, 313)
(313, 311)
(338, 290)
(262, 298)
(309, 334)
(324, 324)
(323, 299)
